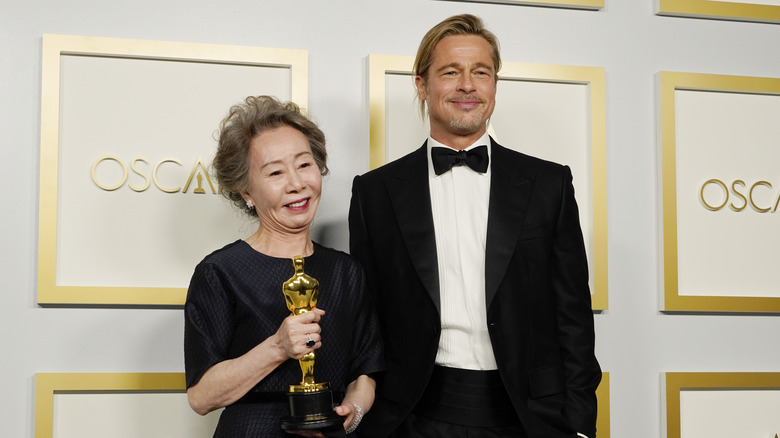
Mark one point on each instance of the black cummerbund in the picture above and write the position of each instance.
(468, 398)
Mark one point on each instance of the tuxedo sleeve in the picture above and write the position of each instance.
(358, 235)
(574, 314)
(359, 239)
(360, 245)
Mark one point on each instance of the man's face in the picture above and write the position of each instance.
(460, 89)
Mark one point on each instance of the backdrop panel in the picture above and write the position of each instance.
(720, 192)
(127, 203)
(550, 111)
(574, 4)
(118, 405)
(766, 11)
(722, 405)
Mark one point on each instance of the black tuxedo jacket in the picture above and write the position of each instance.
(536, 284)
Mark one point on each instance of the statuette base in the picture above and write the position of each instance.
(311, 411)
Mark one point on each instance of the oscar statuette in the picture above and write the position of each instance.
(311, 404)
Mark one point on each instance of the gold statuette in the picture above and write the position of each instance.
(311, 404)
(300, 293)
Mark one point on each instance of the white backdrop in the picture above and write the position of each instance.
(635, 341)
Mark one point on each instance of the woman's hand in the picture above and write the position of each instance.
(351, 414)
(296, 331)
(357, 401)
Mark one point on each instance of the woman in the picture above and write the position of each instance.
(241, 343)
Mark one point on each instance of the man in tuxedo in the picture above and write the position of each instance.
(475, 255)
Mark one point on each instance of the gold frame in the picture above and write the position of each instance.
(593, 5)
(720, 10)
(54, 46)
(603, 417)
(47, 384)
(677, 382)
(592, 77)
(669, 83)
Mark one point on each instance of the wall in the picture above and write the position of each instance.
(635, 341)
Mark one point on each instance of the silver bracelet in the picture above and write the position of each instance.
(356, 421)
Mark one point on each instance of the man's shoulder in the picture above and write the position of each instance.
(416, 158)
(510, 157)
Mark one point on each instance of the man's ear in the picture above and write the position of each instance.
(419, 82)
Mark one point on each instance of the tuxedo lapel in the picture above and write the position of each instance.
(411, 199)
(510, 189)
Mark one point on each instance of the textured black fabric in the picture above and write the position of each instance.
(419, 426)
(235, 301)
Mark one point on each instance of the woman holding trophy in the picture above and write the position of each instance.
(244, 349)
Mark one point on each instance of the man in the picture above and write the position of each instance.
(480, 276)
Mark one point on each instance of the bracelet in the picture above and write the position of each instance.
(356, 421)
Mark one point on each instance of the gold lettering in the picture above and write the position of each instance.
(111, 158)
(157, 182)
(138, 172)
(734, 189)
(200, 164)
(199, 190)
(759, 183)
(725, 190)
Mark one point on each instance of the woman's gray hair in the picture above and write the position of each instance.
(244, 122)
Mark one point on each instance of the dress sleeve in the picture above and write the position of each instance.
(368, 350)
(208, 322)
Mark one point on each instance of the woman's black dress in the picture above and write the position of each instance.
(235, 302)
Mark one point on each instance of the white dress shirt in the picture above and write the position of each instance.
(459, 201)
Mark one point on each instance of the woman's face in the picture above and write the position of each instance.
(284, 181)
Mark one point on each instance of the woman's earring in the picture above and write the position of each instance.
(249, 204)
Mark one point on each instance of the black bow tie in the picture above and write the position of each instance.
(444, 158)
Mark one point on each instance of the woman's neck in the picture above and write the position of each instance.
(281, 245)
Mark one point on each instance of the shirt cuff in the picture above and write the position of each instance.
(581, 435)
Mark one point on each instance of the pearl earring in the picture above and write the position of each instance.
(249, 204)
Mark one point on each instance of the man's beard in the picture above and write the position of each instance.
(469, 126)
